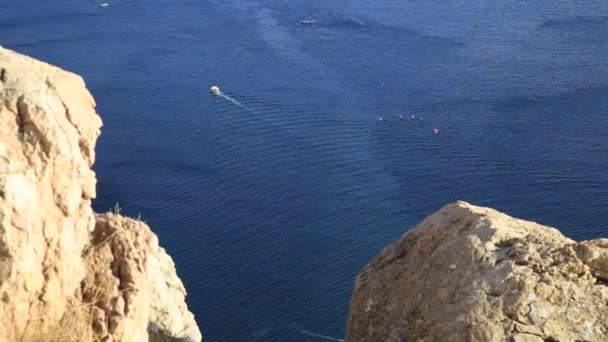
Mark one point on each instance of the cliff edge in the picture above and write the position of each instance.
(67, 273)
(468, 273)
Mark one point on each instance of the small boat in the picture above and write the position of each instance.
(307, 21)
(105, 4)
(215, 90)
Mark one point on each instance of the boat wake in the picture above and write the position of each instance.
(295, 328)
(324, 337)
(237, 103)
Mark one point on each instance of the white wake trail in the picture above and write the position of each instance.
(237, 103)
(325, 337)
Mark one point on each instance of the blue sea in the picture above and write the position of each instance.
(272, 197)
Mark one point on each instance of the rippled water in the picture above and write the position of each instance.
(272, 202)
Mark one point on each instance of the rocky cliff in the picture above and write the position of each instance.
(65, 272)
(468, 273)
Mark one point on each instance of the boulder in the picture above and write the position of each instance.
(468, 273)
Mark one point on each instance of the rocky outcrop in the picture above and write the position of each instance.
(131, 280)
(48, 129)
(66, 274)
(169, 315)
(468, 273)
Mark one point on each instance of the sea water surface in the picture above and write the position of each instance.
(272, 198)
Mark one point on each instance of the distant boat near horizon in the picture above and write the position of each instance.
(307, 21)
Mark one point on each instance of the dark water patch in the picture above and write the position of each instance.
(558, 108)
(153, 166)
(102, 205)
(581, 30)
(49, 42)
(51, 18)
(577, 22)
(378, 31)
(348, 23)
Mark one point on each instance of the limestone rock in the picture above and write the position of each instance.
(116, 283)
(170, 319)
(468, 273)
(595, 255)
(132, 280)
(48, 130)
(66, 275)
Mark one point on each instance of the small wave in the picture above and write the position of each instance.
(261, 333)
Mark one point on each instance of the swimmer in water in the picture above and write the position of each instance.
(435, 131)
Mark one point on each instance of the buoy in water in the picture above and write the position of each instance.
(215, 90)
(435, 131)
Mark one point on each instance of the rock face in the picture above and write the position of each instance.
(169, 315)
(66, 274)
(48, 129)
(130, 281)
(468, 273)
